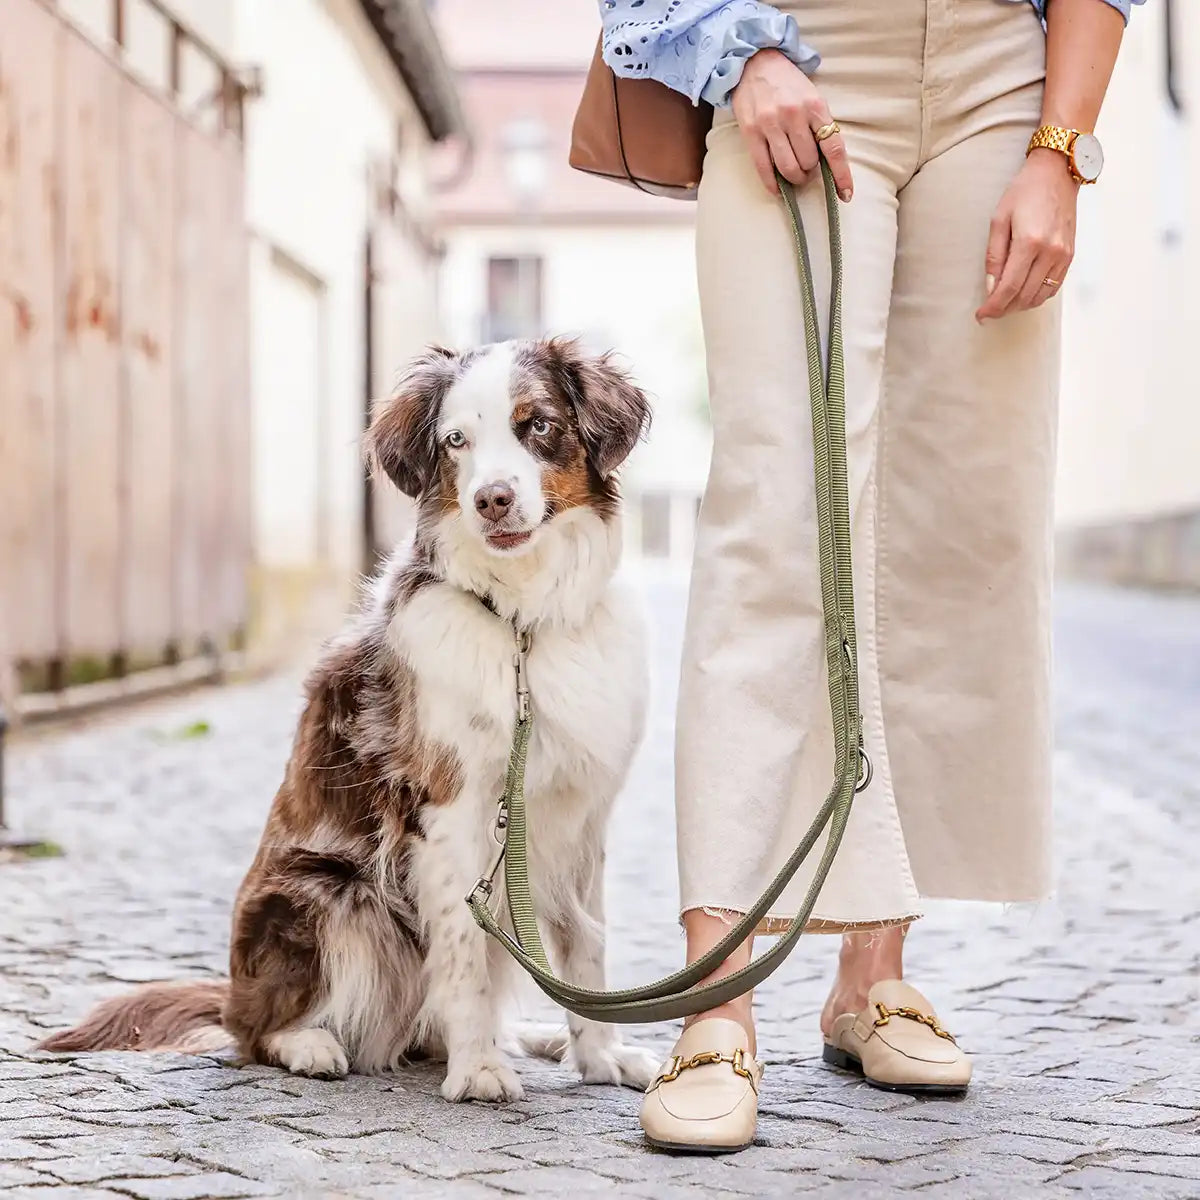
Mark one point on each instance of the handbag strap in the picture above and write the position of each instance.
(683, 992)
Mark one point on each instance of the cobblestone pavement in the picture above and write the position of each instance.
(1082, 1014)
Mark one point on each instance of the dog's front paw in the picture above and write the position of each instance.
(625, 1066)
(314, 1052)
(487, 1080)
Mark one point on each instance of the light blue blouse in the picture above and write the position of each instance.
(699, 47)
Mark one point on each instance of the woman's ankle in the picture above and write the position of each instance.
(866, 958)
(704, 929)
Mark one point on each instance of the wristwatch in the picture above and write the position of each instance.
(1085, 158)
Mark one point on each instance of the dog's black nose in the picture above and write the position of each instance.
(493, 501)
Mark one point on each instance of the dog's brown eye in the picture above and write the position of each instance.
(456, 439)
(540, 427)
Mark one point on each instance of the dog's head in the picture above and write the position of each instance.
(507, 437)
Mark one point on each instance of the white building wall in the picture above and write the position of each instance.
(332, 106)
(1130, 426)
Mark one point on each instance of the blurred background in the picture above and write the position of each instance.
(224, 225)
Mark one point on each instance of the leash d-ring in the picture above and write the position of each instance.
(866, 772)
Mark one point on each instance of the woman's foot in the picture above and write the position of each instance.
(705, 1098)
(704, 929)
(881, 1028)
(866, 959)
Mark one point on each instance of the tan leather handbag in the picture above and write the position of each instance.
(639, 132)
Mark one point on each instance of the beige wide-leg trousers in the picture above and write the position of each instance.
(951, 442)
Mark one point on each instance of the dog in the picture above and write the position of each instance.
(352, 947)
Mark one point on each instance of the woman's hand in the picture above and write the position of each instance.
(1032, 236)
(778, 108)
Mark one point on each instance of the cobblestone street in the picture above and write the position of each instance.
(1083, 1015)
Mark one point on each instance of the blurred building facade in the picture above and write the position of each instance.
(215, 244)
(343, 271)
(534, 247)
(1129, 477)
(349, 98)
(125, 533)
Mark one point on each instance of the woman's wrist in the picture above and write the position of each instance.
(1053, 163)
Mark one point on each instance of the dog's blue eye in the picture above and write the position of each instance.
(456, 439)
(540, 427)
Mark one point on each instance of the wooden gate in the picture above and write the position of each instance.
(124, 397)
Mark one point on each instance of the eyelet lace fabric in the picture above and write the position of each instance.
(700, 47)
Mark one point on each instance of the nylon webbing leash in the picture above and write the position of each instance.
(683, 993)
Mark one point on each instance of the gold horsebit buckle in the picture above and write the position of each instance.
(911, 1014)
(737, 1060)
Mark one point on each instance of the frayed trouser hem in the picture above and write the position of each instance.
(773, 926)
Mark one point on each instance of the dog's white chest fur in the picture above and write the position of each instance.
(588, 691)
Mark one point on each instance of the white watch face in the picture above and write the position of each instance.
(1089, 158)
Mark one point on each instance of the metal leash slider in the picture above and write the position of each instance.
(521, 663)
(485, 884)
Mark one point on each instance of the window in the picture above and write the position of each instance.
(514, 298)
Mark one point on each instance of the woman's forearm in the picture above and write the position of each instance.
(1082, 40)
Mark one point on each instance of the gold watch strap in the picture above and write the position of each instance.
(1053, 137)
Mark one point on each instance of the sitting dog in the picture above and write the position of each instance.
(352, 946)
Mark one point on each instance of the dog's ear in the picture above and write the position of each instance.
(613, 413)
(402, 439)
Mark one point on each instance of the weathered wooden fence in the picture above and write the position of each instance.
(124, 397)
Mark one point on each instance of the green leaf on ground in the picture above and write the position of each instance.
(196, 729)
(21, 850)
(43, 850)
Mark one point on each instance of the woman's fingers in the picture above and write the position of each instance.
(1036, 290)
(804, 147)
(784, 156)
(1012, 279)
(832, 147)
(999, 241)
(760, 155)
(778, 109)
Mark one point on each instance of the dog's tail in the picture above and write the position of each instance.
(184, 1017)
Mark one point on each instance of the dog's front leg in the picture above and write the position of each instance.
(577, 939)
(462, 1006)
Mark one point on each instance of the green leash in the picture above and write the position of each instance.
(683, 993)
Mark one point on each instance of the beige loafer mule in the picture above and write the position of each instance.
(897, 1044)
(705, 1098)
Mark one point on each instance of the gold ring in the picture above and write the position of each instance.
(1052, 283)
(827, 131)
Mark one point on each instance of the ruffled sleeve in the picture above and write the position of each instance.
(697, 47)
